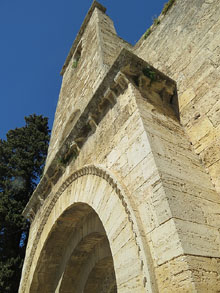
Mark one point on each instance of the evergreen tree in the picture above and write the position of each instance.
(22, 158)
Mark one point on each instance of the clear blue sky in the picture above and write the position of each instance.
(35, 38)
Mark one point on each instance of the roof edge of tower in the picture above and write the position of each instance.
(94, 5)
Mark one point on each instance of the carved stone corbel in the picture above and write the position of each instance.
(74, 147)
(121, 80)
(41, 199)
(92, 123)
(31, 215)
(110, 96)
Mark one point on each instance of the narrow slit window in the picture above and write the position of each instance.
(77, 56)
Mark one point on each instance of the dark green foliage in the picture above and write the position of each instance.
(156, 21)
(148, 32)
(22, 157)
(76, 60)
(167, 6)
(147, 71)
(75, 63)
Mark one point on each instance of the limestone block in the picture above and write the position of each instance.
(211, 154)
(175, 276)
(138, 151)
(95, 189)
(145, 172)
(116, 227)
(190, 207)
(185, 98)
(166, 242)
(160, 206)
(198, 239)
(121, 165)
(214, 114)
(199, 130)
(214, 173)
(173, 168)
(205, 273)
(134, 127)
(203, 102)
(149, 218)
(102, 195)
(129, 276)
(207, 140)
(111, 202)
(132, 285)
(113, 156)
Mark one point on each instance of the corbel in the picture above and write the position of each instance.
(110, 96)
(121, 80)
(91, 122)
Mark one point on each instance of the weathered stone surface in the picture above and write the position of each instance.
(125, 203)
(185, 46)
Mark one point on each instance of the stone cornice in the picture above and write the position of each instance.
(126, 68)
(94, 5)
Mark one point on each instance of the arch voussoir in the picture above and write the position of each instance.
(98, 189)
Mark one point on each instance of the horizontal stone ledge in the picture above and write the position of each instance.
(127, 68)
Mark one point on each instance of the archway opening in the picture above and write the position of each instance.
(76, 256)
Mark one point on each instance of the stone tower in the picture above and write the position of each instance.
(127, 201)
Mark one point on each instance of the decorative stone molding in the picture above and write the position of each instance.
(110, 96)
(31, 214)
(99, 171)
(91, 121)
(127, 68)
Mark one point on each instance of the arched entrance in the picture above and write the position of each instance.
(87, 238)
(77, 255)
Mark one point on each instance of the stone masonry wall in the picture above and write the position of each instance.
(185, 46)
(163, 229)
(99, 46)
(144, 145)
(183, 198)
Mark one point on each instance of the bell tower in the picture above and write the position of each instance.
(89, 59)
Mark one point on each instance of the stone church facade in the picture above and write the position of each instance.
(129, 199)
